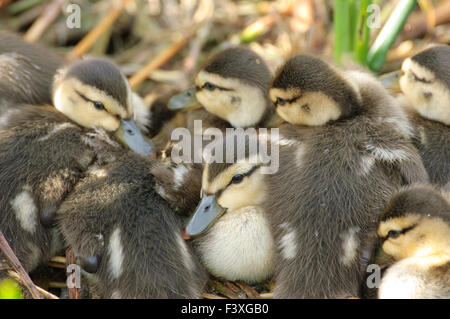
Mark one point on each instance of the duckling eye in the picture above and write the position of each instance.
(237, 178)
(99, 105)
(394, 233)
(280, 101)
(306, 108)
(209, 86)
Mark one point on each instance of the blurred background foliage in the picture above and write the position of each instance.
(9, 289)
(160, 44)
(176, 36)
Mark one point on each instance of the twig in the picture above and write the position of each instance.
(211, 296)
(70, 259)
(49, 15)
(15, 263)
(56, 265)
(250, 291)
(266, 295)
(44, 292)
(88, 41)
(27, 17)
(4, 3)
(158, 61)
(222, 289)
(58, 259)
(57, 284)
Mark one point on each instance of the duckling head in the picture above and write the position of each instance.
(95, 94)
(308, 91)
(416, 223)
(425, 81)
(226, 187)
(232, 85)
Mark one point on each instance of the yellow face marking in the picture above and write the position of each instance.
(310, 108)
(67, 99)
(430, 237)
(428, 96)
(250, 192)
(240, 104)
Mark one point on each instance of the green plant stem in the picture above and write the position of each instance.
(387, 36)
(341, 29)
(362, 34)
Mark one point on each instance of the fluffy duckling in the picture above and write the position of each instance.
(232, 86)
(336, 172)
(426, 85)
(42, 156)
(46, 149)
(353, 153)
(124, 233)
(230, 228)
(93, 92)
(415, 229)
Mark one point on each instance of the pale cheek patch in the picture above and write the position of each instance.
(242, 105)
(322, 110)
(115, 254)
(25, 209)
(349, 245)
(67, 101)
(288, 242)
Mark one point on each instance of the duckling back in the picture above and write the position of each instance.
(333, 182)
(27, 71)
(42, 156)
(116, 215)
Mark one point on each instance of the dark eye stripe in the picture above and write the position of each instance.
(97, 105)
(420, 79)
(250, 172)
(199, 88)
(83, 96)
(401, 232)
(286, 100)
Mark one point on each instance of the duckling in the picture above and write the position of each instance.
(127, 235)
(415, 229)
(91, 92)
(46, 149)
(426, 85)
(230, 230)
(346, 153)
(42, 156)
(233, 87)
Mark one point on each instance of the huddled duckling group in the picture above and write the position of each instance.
(359, 171)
